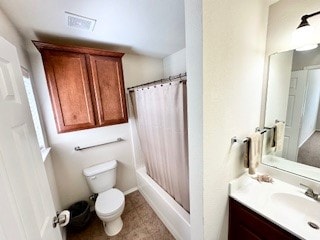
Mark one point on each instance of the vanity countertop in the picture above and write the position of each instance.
(281, 203)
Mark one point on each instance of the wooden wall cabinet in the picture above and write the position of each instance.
(245, 224)
(86, 86)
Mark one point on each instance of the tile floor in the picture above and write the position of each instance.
(139, 223)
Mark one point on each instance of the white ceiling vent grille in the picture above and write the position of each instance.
(80, 22)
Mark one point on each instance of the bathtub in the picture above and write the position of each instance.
(176, 219)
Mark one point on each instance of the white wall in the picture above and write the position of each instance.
(233, 54)
(175, 63)
(67, 163)
(309, 118)
(139, 69)
(194, 61)
(284, 17)
(278, 87)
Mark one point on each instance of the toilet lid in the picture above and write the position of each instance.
(109, 202)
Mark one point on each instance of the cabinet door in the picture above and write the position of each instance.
(245, 224)
(68, 84)
(108, 89)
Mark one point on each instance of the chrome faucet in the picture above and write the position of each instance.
(311, 193)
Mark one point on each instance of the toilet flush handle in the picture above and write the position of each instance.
(93, 178)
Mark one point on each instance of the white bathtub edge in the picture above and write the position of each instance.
(175, 218)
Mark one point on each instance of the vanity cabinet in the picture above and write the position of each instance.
(245, 224)
(86, 86)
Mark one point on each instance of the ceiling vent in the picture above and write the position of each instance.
(80, 22)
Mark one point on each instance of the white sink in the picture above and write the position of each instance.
(298, 209)
(283, 204)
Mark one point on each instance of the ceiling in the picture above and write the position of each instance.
(273, 1)
(148, 27)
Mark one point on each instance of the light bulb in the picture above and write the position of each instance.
(303, 38)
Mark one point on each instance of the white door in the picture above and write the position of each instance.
(296, 100)
(26, 204)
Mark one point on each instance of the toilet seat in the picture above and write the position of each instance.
(109, 202)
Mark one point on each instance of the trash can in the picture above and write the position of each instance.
(79, 215)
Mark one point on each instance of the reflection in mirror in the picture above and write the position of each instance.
(293, 97)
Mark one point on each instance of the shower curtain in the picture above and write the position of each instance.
(161, 118)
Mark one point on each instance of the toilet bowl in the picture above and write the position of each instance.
(109, 206)
(110, 202)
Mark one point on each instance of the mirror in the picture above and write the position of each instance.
(293, 96)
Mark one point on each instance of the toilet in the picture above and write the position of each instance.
(110, 202)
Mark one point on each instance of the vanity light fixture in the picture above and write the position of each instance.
(304, 34)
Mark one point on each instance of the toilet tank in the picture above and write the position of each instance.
(101, 177)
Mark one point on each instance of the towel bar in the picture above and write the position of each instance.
(262, 131)
(117, 140)
(237, 140)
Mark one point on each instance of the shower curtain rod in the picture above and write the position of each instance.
(163, 80)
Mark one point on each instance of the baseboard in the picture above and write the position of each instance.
(130, 190)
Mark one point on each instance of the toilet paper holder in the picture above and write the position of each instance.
(61, 219)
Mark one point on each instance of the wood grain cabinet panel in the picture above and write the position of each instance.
(69, 89)
(108, 89)
(86, 86)
(245, 224)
